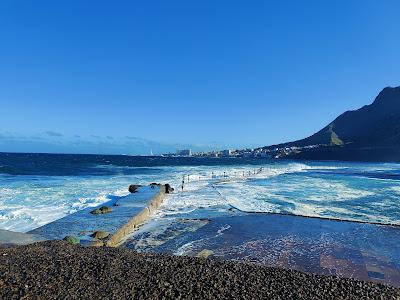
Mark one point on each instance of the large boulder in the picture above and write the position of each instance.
(133, 188)
(101, 210)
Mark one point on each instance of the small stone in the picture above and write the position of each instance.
(96, 212)
(205, 253)
(72, 239)
(101, 210)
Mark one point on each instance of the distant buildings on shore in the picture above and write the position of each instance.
(247, 153)
(185, 152)
(264, 152)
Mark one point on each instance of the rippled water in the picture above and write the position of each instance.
(35, 190)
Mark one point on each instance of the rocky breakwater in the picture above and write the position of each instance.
(111, 222)
(119, 236)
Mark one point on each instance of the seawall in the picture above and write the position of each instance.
(137, 219)
(109, 223)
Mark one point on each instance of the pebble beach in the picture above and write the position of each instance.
(58, 270)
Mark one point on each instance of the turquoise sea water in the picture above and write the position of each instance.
(37, 189)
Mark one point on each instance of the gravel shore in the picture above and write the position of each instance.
(58, 270)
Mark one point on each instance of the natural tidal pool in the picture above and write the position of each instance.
(348, 249)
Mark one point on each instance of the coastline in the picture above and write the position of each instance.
(201, 222)
(56, 269)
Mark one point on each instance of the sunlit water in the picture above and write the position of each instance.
(31, 196)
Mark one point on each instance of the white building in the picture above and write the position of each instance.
(226, 152)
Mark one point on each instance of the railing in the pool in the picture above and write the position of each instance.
(221, 176)
(236, 175)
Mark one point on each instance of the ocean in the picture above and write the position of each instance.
(36, 189)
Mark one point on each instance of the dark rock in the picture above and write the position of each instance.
(154, 184)
(101, 210)
(72, 239)
(99, 234)
(168, 189)
(134, 187)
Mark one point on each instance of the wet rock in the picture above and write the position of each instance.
(99, 234)
(96, 212)
(101, 210)
(72, 239)
(154, 184)
(134, 187)
(168, 189)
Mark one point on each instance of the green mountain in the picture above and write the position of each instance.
(369, 133)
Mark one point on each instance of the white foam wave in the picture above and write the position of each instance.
(32, 201)
(36, 201)
(205, 187)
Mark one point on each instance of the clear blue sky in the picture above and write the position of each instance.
(212, 72)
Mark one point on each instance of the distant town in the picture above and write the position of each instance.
(265, 152)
